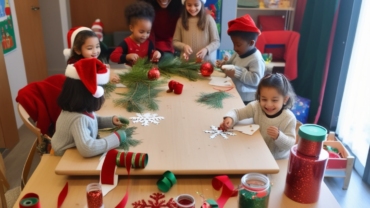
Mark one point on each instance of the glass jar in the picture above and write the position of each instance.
(185, 201)
(94, 196)
(254, 191)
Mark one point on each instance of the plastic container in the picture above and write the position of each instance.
(94, 196)
(311, 139)
(304, 176)
(185, 201)
(254, 191)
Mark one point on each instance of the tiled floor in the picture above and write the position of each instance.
(357, 195)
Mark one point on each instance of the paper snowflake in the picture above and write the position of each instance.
(157, 202)
(215, 132)
(144, 119)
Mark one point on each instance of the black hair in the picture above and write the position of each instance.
(75, 97)
(201, 14)
(78, 42)
(174, 7)
(139, 10)
(281, 84)
(247, 36)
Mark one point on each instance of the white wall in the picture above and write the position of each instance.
(229, 9)
(15, 66)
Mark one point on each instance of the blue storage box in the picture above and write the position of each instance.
(301, 108)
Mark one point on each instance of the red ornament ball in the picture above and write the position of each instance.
(206, 69)
(154, 73)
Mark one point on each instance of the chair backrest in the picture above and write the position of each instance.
(26, 120)
(289, 40)
(4, 185)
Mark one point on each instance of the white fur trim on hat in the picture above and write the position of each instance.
(99, 92)
(204, 1)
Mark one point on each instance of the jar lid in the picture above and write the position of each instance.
(312, 132)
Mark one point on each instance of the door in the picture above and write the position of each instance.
(8, 126)
(32, 40)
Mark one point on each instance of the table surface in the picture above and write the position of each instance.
(179, 143)
(48, 185)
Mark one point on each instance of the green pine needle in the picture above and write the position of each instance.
(213, 100)
(170, 65)
(129, 142)
(108, 89)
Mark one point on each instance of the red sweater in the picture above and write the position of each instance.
(163, 29)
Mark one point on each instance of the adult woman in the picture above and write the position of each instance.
(166, 14)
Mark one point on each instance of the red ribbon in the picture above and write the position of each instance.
(129, 160)
(62, 195)
(30, 200)
(223, 182)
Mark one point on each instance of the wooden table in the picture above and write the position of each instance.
(48, 185)
(179, 144)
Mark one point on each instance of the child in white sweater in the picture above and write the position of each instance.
(271, 112)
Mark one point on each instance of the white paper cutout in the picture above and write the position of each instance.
(247, 128)
(146, 118)
(228, 67)
(220, 81)
(106, 188)
(215, 132)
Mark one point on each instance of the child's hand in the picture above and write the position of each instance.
(188, 50)
(156, 56)
(229, 70)
(185, 56)
(132, 57)
(273, 132)
(202, 53)
(114, 77)
(116, 121)
(219, 63)
(226, 124)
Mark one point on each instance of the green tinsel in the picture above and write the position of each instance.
(141, 92)
(108, 88)
(214, 100)
(170, 65)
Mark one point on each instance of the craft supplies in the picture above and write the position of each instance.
(254, 191)
(312, 136)
(30, 200)
(185, 201)
(94, 195)
(166, 182)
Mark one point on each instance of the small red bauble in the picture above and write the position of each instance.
(206, 69)
(154, 73)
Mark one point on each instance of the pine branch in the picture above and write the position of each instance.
(213, 100)
(175, 66)
(108, 89)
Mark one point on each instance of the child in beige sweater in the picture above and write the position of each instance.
(196, 34)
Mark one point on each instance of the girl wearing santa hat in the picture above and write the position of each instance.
(77, 125)
(84, 43)
(196, 34)
(139, 16)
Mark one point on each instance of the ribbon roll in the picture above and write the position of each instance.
(30, 200)
(138, 160)
(167, 180)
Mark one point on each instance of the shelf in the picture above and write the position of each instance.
(267, 9)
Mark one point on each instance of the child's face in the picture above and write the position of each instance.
(90, 49)
(193, 7)
(241, 46)
(271, 100)
(140, 30)
(163, 3)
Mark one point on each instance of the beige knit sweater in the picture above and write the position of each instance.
(198, 39)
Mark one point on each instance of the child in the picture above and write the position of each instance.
(196, 34)
(77, 124)
(84, 43)
(270, 110)
(248, 66)
(140, 17)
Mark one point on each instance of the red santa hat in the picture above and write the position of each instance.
(243, 24)
(71, 35)
(92, 72)
(97, 27)
(204, 1)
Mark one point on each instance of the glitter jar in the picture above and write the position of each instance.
(254, 191)
(94, 196)
(185, 201)
(304, 176)
(312, 136)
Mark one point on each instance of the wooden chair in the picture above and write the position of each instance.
(38, 141)
(8, 197)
